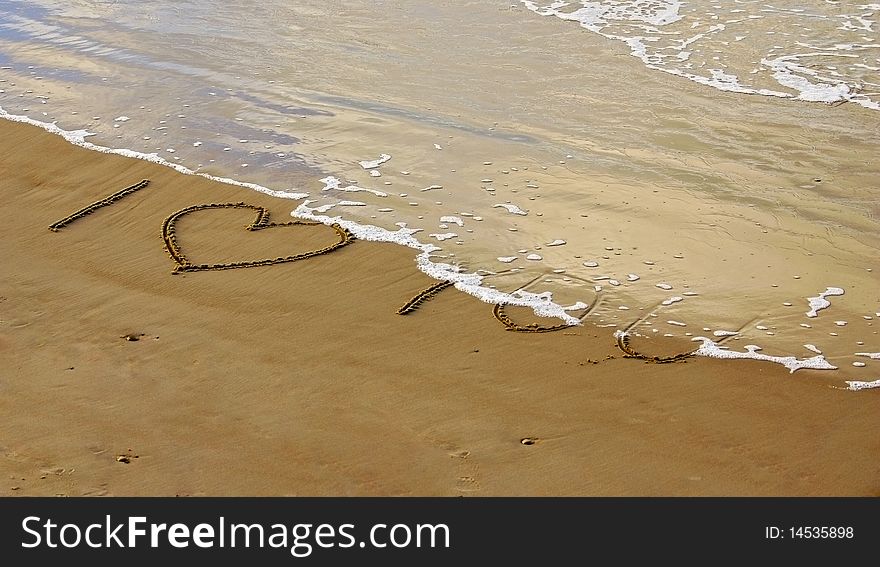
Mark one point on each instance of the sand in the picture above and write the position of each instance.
(301, 379)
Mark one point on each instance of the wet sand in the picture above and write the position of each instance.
(301, 379)
(745, 205)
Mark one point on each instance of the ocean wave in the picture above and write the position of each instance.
(745, 47)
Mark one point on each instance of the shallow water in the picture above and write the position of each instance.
(823, 51)
(736, 203)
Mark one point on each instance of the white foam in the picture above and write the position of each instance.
(534, 257)
(722, 333)
(665, 286)
(640, 25)
(507, 259)
(871, 355)
(856, 385)
(595, 15)
(813, 348)
(512, 209)
(677, 323)
(819, 302)
(713, 350)
(332, 183)
(351, 204)
(632, 277)
(374, 163)
(541, 303)
(78, 138)
(432, 187)
(672, 300)
(557, 242)
(454, 220)
(789, 73)
(443, 236)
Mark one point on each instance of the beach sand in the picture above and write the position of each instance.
(301, 379)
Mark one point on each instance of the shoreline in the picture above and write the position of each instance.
(300, 378)
(689, 186)
(468, 282)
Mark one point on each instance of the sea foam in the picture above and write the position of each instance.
(700, 42)
(712, 350)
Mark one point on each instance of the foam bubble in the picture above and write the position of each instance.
(722, 333)
(443, 236)
(454, 220)
(512, 209)
(374, 163)
(819, 302)
(713, 350)
(856, 385)
(789, 73)
(332, 183)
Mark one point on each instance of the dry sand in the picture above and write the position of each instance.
(300, 378)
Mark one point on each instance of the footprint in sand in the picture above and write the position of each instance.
(468, 471)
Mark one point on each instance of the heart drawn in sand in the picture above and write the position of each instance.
(260, 223)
